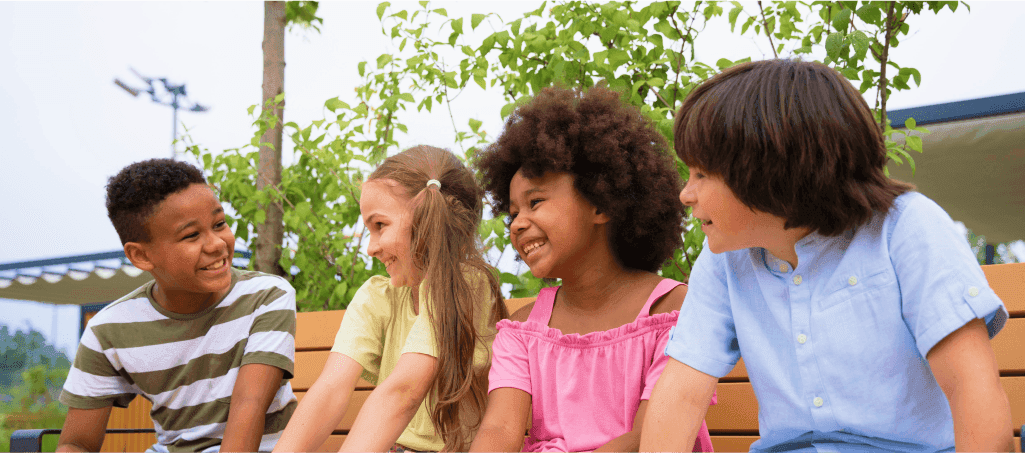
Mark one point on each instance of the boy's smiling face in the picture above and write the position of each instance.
(190, 248)
(728, 223)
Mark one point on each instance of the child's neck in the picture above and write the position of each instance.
(597, 284)
(185, 302)
(784, 245)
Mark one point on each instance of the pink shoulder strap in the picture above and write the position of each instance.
(542, 311)
(660, 290)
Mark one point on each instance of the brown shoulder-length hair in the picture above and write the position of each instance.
(790, 138)
(446, 249)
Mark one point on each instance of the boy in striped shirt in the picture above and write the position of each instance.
(210, 346)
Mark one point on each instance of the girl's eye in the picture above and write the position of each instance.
(220, 224)
(535, 201)
(378, 225)
(191, 235)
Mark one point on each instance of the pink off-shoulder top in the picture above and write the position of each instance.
(585, 389)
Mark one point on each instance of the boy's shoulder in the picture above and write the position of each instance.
(135, 304)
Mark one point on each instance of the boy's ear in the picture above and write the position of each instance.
(136, 252)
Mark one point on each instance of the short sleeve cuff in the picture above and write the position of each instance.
(270, 358)
(85, 402)
(509, 383)
(979, 302)
(688, 356)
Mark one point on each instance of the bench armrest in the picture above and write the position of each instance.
(31, 440)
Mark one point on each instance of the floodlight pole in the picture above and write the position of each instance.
(175, 91)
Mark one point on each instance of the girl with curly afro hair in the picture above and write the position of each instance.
(591, 193)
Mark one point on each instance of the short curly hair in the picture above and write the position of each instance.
(138, 188)
(619, 162)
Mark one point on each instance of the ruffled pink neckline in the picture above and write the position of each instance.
(591, 339)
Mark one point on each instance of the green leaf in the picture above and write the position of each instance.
(860, 40)
(475, 20)
(509, 278)
(834, 42)
(381, 8)
(340, 290)
(910, 123)
(475, 124)
(383, 60)
(842, 19)
(656, 82)
(260, 217)
(870, 13)
(914, 142)
(335, 104)
(406, 97)
(734, 13)
(723, 63)
(457, 25)
(617, 57)
(362, 68)
(913, 73)
(280, 97)
(507, 109)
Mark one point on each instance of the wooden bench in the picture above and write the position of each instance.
(733, 423)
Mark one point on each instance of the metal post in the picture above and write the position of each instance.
(174, 91)
(990, 254)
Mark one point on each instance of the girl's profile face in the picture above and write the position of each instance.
(388, 216)
(551, 223)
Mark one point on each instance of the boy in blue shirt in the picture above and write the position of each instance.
(860, 311)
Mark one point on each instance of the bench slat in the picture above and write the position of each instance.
(1008, 281)
(316, 330)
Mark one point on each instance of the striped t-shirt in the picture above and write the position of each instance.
(186, 364)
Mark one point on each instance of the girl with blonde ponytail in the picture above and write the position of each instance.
(424, 334)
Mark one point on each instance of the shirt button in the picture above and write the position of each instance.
(797, 280)
(853, 280)
(817, 402)
(802, 338)
(973, 291)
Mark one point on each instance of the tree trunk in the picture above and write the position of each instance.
(270, 234)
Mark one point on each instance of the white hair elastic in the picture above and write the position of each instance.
(434, 182)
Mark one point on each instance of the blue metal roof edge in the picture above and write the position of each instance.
(117, 254)
(959, 110)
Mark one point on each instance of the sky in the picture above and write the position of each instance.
(65, 127)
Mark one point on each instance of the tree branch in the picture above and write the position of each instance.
(765, 25)
(888, 24)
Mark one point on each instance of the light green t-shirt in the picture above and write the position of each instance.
(379, 326)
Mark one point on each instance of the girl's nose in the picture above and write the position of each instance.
(519, 224)
(373, 248)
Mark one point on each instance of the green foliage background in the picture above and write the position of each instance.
(32, 373)
(645, 51)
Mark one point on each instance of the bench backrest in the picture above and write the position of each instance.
(733, 423)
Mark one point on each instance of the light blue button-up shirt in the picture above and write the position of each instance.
(836, 348)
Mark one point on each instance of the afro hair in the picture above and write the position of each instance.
(137, 189)
(620, 164)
